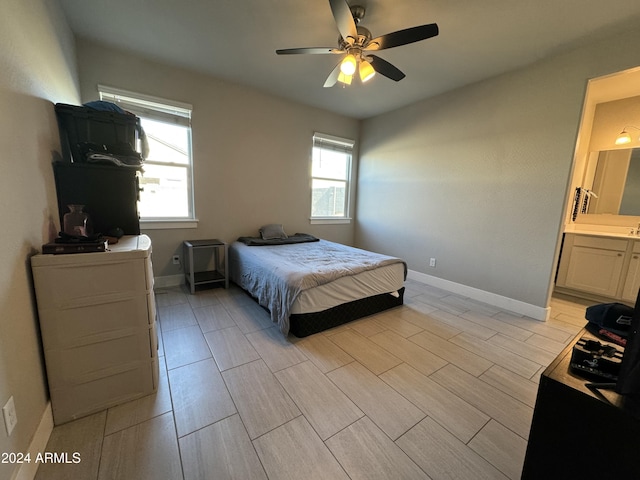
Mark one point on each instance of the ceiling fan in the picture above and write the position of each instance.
(356, 44)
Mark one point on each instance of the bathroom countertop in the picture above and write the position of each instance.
(600, 233)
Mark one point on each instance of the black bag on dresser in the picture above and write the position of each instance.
(614, 317)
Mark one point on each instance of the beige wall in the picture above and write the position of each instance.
(609, 120)
(37, 69)
(477, 177)
(251, 151)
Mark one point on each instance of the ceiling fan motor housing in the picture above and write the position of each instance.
(364, 36)
(358, 13)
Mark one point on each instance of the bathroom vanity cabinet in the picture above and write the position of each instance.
(600, 267)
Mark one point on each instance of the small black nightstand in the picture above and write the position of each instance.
(218, 275)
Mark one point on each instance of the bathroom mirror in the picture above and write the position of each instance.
(614, 176)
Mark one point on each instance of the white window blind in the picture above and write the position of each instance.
(150, 107)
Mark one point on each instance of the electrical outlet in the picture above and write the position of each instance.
(176, 259)
(10, 416)
(432, 262)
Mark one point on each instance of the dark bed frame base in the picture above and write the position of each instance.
(302, 325)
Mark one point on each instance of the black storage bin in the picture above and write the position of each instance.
(109, 195)
(83, 125)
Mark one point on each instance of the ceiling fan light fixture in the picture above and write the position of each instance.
(348, 65)
(346, 79)
(366, 71)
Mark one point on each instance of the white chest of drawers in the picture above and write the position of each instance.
(98, 325)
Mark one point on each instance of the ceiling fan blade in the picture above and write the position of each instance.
(386, 69)
(313, 50)
(344, 19)
(333, 77)
(403, 37)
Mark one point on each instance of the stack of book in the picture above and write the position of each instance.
(70, 244)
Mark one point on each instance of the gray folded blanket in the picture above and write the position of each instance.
(297, 238)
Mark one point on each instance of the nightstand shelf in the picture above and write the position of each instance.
(218, 275)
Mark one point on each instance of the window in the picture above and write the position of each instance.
(167, 179)
(330, 177)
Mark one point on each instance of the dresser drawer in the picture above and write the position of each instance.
(74, 401)
(63, 285)
(90, 361)
(93, 322)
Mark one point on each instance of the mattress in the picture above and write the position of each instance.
(385, 279)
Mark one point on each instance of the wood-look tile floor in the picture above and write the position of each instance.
(441, 387)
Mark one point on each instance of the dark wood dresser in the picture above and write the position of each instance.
(577, 433)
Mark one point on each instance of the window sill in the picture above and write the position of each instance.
(168, 224)
(328, 221)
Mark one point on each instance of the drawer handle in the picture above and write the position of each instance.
(635, 257)
(619, 254)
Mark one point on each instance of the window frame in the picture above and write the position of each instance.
(167, 111)
(334, 143)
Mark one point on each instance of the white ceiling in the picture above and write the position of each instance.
(236, 40)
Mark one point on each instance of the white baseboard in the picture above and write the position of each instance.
(505, 303)
(168, 281)
(27, 471)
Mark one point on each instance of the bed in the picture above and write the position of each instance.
(309, 284)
